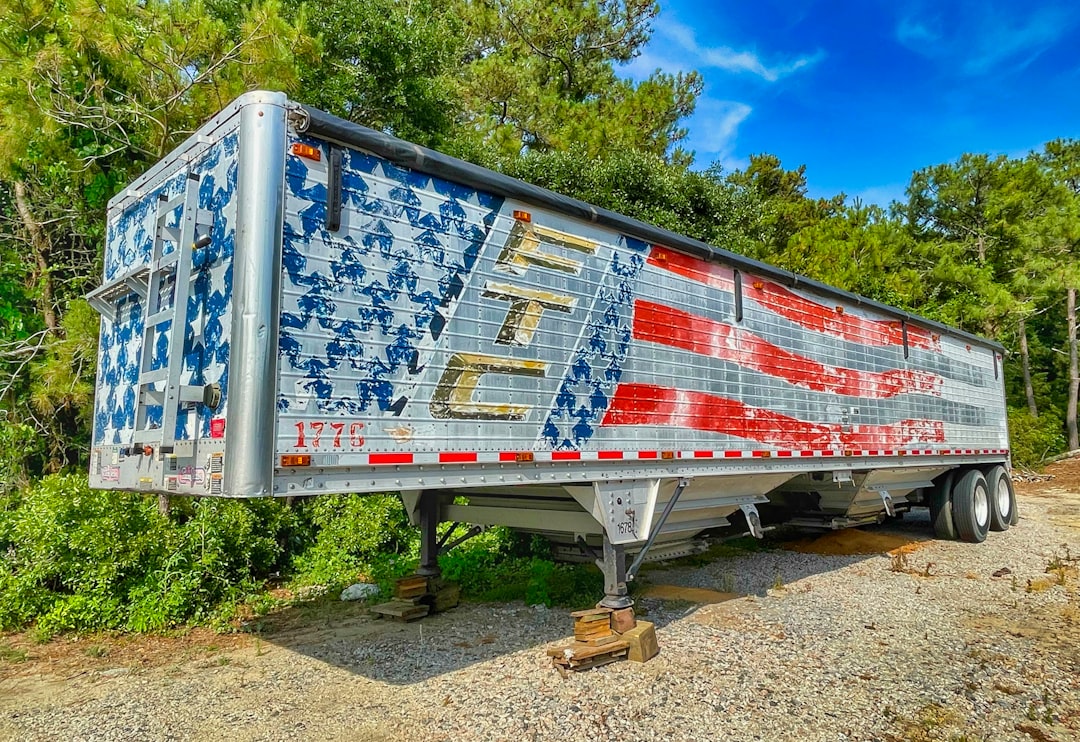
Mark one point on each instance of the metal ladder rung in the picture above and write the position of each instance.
(153, 377)
(170, 206)
(163, 316)
(156, 396)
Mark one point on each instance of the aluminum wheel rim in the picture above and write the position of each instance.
(1003, 499)
(982, 505)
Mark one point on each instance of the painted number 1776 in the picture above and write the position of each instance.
(319, 434)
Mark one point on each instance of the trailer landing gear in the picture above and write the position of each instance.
(425, 591)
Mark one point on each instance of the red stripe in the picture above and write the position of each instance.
(647, 404)
(565, 455)
(800, 310)
(390, 458)
(457, 457)
(732, 454)
(647, 454)
(703, 454)
(610, 454)
(664, 325)
(507, 456)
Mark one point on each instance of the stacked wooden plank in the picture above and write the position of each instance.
(602, 635)
(416, 596)
(595, 643)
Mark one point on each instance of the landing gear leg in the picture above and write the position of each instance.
(429, 538)
(616, 595)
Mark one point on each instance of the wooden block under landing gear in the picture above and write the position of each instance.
(622, 620)
(642, 641)
(447, 596)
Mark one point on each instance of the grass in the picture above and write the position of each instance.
(12, 654)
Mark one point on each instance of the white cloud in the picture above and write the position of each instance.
(674, 47)
(979, 37)
(715, 129)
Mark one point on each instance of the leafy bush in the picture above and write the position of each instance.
(79, 559)
(350, 533)
(1033, 439)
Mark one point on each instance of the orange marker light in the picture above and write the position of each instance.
(839, 309)
(296, 460)
(523, 457)
(667, 454)
(759, 285)
(306, 150)
(523, 216)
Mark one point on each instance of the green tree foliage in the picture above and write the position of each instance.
(385, 64)
(540, 75)
(787, 207)
(645, 186)
(91, 94)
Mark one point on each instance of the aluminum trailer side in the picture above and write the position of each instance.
(293, 305)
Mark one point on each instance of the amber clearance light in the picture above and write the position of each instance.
(307, 150)
(296, 460)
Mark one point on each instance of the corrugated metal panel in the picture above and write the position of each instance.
(441, 325)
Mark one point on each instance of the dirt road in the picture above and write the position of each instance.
(880, 634)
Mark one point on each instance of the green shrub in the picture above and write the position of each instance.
(77, 559)
(1034, 439)
(349, 534)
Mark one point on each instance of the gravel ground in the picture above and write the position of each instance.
(920, 646)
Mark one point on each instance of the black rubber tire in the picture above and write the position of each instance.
(940, 501)
(1000, 487)
(971, 507)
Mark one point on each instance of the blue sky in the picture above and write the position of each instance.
(864, 93)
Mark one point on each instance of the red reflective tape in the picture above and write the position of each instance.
(703, 454)
(732, 454)
(648, 404)
(761, 454)
(566, 455)
(610, 454)
(806, 453)
(390, 458)
(647, 454)
(827, 452)
(457, 457)
(664, 325)
(783, 453)
(507, 456)
(798, 309)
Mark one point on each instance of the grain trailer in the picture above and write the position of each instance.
(294, 305)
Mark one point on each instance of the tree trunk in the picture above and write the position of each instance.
(39, 246)
(1074, 372)
(1025, 360)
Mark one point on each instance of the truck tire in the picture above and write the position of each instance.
(940, 502)
(1002, 498)
(971, 507)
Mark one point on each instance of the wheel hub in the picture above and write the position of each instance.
(982, 506)
(1003, 499)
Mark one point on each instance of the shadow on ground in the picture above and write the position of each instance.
(346, 636)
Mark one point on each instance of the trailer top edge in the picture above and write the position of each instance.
(200, 136)
(406, 154)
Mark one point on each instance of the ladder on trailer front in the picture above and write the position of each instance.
(164, 285)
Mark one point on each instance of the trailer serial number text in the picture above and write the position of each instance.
(320, 434)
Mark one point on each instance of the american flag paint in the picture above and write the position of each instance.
(456, 321)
